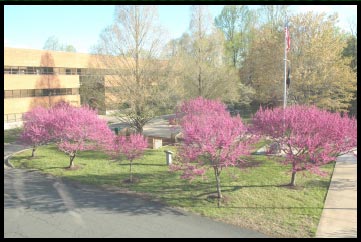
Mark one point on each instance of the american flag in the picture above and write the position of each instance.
(287, 37)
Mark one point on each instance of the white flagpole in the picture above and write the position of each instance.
(285, 91)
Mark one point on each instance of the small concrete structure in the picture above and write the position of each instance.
(168, 155)
(157, 143)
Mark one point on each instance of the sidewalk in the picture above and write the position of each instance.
(339, 215)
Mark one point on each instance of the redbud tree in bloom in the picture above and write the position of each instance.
(78, 129)
(132, 147)
(35, 129)
(73, 129)
(308, 136)
(212, 139)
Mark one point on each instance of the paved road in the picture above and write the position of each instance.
(38, 205)
(158, 126)
(12, 148)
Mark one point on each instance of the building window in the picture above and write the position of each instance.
(31, 92)
(56, 70)
(75, 91)
(24, 93)
(49, 70)
(38, 92)
(22, 70)
(7, 70)
(46, 92)
(62, 91)
(13, 117)
(14, 70)
(30, 70)
(8, 93)
(16, 93)
(36, 70)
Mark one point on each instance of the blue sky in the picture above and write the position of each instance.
(80, 25)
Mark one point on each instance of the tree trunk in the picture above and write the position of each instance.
(131, 176)
(293, 179)
(234, 57)
(199, 82)
(218, 180)
(200, 85)
(71, 161)
(139, 129)
(33, 152)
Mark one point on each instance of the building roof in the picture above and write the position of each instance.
(30, 57)
(48, 58)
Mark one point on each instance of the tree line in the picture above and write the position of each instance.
(237, 57)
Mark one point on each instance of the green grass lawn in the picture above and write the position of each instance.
(254, 198)
(11, 135)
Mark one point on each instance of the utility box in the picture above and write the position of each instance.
(157, 143)
(168, 156)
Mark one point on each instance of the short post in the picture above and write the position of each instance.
(168, 155)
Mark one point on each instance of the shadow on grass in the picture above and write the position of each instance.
(126, 163)
(317, 183)
(49, 194)
(28, 157)
(53, 167)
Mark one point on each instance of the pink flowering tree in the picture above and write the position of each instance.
(308, 136)
(212, 139)
(36, 128)
(132, 147)
(78, 129)
(113, 147)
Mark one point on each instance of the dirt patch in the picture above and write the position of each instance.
(74, 168)
(288, 186)
(214, 197)
(133, 181)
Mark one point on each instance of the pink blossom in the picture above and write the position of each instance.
(132, 147)
(72, 128)
(212, 138)
(309, 137)
(36, 128)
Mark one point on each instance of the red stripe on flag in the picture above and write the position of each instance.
(288, 38)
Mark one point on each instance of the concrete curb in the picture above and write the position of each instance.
(7, 162)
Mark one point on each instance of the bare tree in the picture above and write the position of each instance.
(236, 23)
(199, 26)
(137, 81)
(200, 56)
(53, 43)
(274, 15)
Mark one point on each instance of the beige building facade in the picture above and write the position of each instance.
(41, 77)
